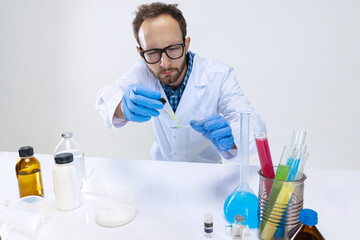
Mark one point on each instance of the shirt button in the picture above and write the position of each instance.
(174, 136)
(174, 153)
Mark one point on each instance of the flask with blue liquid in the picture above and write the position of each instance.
(243, 201)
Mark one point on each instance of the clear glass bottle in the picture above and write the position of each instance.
(307, 229)
(28, 173)
(69, 145)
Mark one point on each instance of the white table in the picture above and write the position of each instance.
(171, 198)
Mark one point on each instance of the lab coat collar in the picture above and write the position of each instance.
(197, 78)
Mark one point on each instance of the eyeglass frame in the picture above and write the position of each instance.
(142, 53)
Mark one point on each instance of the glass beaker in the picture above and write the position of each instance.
(243, 201)
(279, 209)
(25, 215)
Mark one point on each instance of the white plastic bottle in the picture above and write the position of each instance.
(66, 182)
(70, 145)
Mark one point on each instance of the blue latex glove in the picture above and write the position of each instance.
(216, 129)
(140, 103)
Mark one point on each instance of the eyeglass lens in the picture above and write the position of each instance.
(173, 52)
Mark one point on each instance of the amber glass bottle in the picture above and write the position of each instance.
(28, 173)
(307, 229)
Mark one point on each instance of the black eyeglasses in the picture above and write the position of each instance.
(153, 56)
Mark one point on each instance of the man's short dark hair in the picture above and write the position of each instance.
(152, 10)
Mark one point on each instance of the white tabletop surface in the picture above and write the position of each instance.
(172, 197)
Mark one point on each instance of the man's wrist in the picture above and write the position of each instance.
(233, 147)
(119, 113)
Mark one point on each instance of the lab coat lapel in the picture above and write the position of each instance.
(190, 97)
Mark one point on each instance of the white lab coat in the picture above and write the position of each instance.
(212, 88)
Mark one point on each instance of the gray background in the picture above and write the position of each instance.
(297, 61)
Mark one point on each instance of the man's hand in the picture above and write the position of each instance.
(140, 103)
(216, 129)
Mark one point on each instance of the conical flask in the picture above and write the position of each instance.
(243, 201)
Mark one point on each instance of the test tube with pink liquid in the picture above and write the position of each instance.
(262, 146)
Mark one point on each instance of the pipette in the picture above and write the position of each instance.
(170, 113)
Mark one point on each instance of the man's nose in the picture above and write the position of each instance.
(165, 61)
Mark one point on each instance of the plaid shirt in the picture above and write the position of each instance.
(174, 96)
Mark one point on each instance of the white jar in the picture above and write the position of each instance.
(66, 182)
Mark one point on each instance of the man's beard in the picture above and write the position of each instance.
(167, 79)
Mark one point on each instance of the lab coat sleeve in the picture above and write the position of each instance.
(109, 97)
(232, 102)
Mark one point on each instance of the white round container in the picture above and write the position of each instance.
(115, 208)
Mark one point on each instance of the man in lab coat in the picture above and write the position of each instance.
(203, 94)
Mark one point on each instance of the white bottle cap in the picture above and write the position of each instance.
(208, 218)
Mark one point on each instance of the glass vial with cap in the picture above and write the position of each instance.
(69, 145)
(307, 230)
(208, 225)
(66, 182)
(28, 173)
(238, 230)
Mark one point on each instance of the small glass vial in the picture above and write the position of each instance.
(238, 230)
(208, 225)
(28, 173)
(307, 230)
(66, 182)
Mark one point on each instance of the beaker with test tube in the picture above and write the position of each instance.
(279, 207)
(243, 201)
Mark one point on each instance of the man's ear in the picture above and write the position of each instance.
(187, 44)
(138, 49)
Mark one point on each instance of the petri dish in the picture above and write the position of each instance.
(114, 208)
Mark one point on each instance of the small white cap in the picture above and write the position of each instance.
(208, 217)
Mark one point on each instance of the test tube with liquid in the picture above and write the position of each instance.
(262, 146)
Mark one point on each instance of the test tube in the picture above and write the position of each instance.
(297, 160)
(263, 149)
